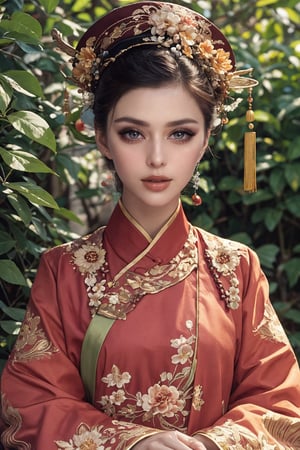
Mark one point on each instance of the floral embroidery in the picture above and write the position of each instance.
(12, 417)
(32, 342)
(231, 436)
(284, 429)
(165, 402)
(223, 257)
(116, 378)
(86, 439)
(270, 328)
(116, 298)
(100, 438)
(89, 258)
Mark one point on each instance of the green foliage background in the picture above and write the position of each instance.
(45, 161)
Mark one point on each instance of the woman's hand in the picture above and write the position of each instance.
(174, 440)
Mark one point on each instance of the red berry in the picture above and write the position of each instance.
(79, 125)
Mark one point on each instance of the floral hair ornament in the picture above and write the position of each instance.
(185, 33)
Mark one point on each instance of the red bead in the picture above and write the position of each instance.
(196, 199)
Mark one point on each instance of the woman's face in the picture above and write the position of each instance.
(155, 137)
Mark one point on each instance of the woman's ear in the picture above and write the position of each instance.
(102, 144)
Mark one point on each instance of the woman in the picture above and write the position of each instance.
(151, 333)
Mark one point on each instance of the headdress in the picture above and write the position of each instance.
(184, 32)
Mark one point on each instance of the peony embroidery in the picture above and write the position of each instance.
(165, 402)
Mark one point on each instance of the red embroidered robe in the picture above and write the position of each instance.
(201, 351)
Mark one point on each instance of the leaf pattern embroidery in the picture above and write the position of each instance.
(32, 342)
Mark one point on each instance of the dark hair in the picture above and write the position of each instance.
(150, 67)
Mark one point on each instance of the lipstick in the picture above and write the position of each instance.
(156, 183)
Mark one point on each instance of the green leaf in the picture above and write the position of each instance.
(14, 313)
(10, 326)
(6, 242)
(292, 204)
(11, 273)
(293, 314)
(292, 269)
(277, 181)
(264, 116)
(6, 93)
(272, 218)
(49, 5)
(229, 183)
(257, 197)
(262, 3)
(291, 109)
(292, 175)
(24, 161)
(35, 194)
(24, 82)
(21, 207)
(242, 237)
(38, 228)
(267, 255)
(34, 127)
(294, 149)
(28, 28)
(69, 215)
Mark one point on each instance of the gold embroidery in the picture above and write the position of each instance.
(12, 417)
(223, 257)
(32, 342)
(231, 436)
(117, 298)
(270, 328)
(198, 401)
(284, 429)
(99, 437)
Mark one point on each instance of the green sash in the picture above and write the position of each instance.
(92, 344)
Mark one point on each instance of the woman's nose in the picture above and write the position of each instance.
(156, 155)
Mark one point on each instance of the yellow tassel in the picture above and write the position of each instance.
(250, 150)
(250, 161)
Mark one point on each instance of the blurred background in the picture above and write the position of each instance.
(54, 185)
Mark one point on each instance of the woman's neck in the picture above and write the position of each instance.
(151, 220)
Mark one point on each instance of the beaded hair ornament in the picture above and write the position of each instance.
(184, 33)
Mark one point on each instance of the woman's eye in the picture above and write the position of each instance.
(131, 135)
(182, 135)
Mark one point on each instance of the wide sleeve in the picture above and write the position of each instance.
(43, 400)
(263, 411)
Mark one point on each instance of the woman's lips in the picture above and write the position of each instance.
(156, 184)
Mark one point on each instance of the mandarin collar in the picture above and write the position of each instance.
(128, 239)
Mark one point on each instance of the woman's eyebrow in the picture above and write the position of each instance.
(172, 123)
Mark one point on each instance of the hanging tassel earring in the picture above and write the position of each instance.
(196, 199)
(250, 149)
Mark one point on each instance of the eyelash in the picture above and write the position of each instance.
(185, 134)
(125, 134)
